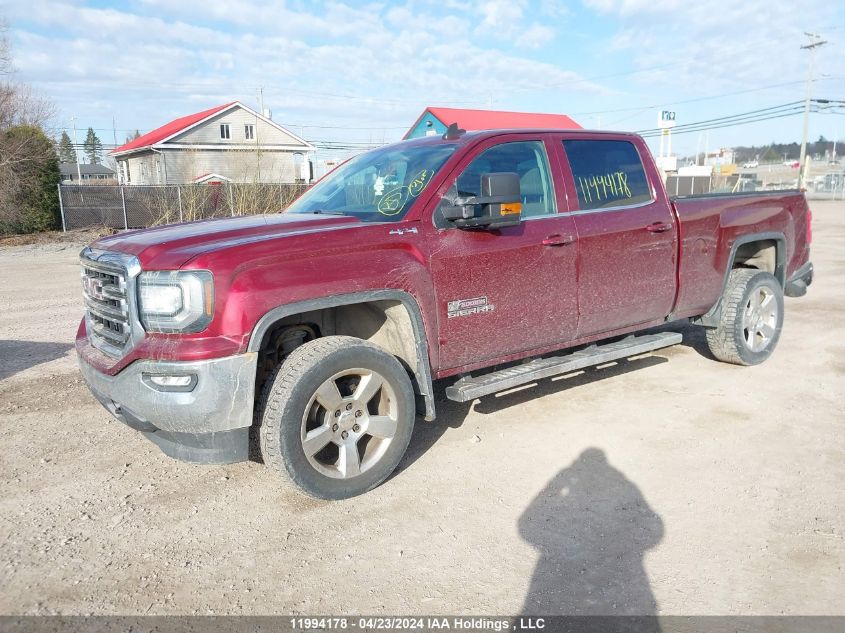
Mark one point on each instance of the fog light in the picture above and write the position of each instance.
(169, 382)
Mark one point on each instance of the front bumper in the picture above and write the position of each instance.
(208, 424)
(796, 285)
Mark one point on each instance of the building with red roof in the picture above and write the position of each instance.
(435, 121)
(230, 141)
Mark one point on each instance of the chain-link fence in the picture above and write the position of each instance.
(138, 206)
(824, 187)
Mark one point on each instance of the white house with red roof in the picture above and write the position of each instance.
(229, 142)
(435, 121)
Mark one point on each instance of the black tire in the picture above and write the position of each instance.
(292, 390)
(729, 342)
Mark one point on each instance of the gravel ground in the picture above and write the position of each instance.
(671, 484)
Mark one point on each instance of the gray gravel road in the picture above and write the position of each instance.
(671, 484)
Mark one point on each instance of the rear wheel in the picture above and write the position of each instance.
(751, 319)
(337, 417)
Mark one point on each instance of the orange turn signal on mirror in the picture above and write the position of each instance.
(512, 208)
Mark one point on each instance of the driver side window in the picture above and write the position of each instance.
(525, 158)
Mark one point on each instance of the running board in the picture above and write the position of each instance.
(470, 388)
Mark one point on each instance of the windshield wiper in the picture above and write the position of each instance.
(324, 212)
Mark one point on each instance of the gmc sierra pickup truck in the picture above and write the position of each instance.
(495, 258)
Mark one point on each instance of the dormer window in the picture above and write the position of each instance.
(224, 131)
(249, 132)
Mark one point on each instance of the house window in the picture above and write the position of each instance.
(224, 131)
(249, 132)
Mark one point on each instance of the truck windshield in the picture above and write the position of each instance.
(378, 186)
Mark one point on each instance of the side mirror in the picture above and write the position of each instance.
(499, 204)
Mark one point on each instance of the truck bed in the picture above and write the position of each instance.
(712, 226)
(730, 194)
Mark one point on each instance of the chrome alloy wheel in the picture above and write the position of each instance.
(349, 423)
(759, 319)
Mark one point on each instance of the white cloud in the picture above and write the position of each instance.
(691, 46)
(535, 36)
(378, 65)
(372, 65)
(504, 22)
(500, 14)
(554, 8)
(631, 7)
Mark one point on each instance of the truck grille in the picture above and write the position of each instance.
(106, 289)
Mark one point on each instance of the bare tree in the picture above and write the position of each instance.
(25, 154)
(5, 54)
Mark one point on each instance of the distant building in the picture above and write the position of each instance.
(435, 121)
(89, 172)
(724, 156)
(230, 143)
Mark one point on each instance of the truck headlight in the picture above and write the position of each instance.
(175, 301)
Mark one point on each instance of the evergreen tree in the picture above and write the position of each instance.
(36, 198)
(770, 155)
(93, 147)
(66, 151)
(132, 136)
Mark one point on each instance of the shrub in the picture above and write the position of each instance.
(29, 173)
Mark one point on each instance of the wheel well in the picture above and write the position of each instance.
(386, 323)
(767, 253)
(762, 254)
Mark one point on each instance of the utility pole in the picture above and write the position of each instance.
(815, 42)
(76, 151)
(114, 140)
(257, 128)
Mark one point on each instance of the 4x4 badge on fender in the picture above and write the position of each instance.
(465, 307)
(413, 229)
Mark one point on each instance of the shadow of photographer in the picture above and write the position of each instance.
(591, 527)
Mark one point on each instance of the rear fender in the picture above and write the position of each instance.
(713, 315)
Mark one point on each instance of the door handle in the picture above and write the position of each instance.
(659, 227)
(558, 240)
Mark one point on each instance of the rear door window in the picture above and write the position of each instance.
(607, 174)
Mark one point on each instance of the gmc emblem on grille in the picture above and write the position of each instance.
(93, 287)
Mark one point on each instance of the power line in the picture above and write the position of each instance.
(759, 111)
(754, 116)
(673, 64)
(704, 98)
(731, 124)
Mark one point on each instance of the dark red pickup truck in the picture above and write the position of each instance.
(322, 328)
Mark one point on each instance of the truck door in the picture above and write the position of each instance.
(511, 289)
(627, 236)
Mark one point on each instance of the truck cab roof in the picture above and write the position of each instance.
(475, 135)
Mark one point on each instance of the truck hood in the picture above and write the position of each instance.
(171, 246)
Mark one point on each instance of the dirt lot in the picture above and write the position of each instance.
(671, 484)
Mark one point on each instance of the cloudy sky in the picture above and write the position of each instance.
(361, 72)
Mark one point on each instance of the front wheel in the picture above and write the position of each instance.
(751, 319)
(337, 417)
